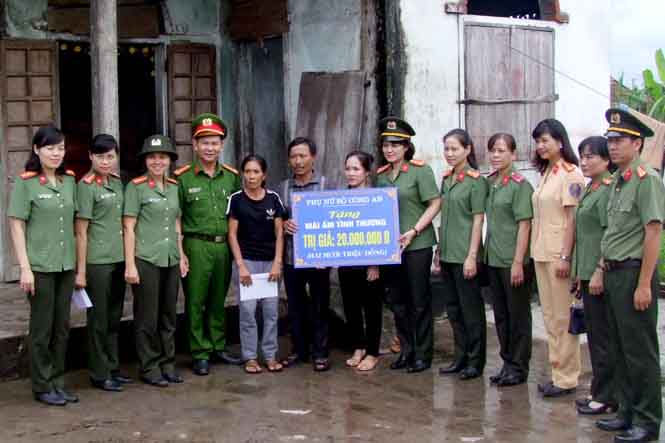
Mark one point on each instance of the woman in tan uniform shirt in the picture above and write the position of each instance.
(554, 203)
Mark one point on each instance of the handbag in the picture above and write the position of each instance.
(577, 324)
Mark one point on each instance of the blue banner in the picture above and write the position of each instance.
(354, 227)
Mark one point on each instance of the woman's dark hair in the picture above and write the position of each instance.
(45, 136)
(408, 154)
(302, 141)
(258, 159)
(103, 143)
(597, 145)
(508, 139)
(465, 139)
(558, 132)
(365, 158)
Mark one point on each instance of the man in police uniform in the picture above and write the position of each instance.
(204, 188)
(629, 251)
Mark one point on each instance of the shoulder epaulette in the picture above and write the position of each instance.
(641, 172)
(447, 173)
(88, 179)
(181, 170)
(472, 173)
(70, 172)
(230, 168)
(607, 181)
(383, 169)
(172, 180)
(568, 167)
(28, 174)
(417, 162)
(517, 178)
(139, 180)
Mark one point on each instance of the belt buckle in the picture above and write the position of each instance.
(219, 239)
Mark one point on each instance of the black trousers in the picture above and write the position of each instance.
(155, 299)
(49, 329)
(598, 337)
(106, 288)
(409, 296)
(363, 308)
(512, 315)
(308, 318)
(466, 312)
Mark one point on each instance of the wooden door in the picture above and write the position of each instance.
(192, 90)
(509, 84)
(29, 85)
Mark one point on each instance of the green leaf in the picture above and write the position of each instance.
(658, 109)
(654, 89)
(660, 63)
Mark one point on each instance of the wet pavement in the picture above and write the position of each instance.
(300, 405)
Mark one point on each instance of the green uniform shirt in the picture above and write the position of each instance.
(101, 204)
(462, 196)
(416, 186)
(156, 212)
(633, 203)
(508, 203)
(203, 199)
(590, 224)
(48, 212)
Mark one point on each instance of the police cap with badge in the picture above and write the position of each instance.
(158, 143)
(623, 123)
(393, 129)
(208, 124)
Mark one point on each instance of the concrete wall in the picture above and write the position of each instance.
(323, 36)
(433, 68)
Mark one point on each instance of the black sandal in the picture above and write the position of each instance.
(291, 360)
(321, 364)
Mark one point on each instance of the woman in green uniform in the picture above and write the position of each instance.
(153, 247)
(463, 194)
(409, 291)
(41, 220)
(509, 213)
(100, 260)
(590, 224)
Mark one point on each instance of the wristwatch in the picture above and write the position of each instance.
(565, 257)
(416, 231)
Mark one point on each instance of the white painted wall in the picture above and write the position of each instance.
(433, 42)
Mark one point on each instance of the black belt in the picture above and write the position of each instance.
(615, 265)
(205, 237)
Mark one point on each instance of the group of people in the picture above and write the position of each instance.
(596, 239)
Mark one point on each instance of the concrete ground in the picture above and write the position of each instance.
(300, 405)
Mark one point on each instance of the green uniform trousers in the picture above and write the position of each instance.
(49, 329)
(512, 316)
(466, 312)
(106, 289)
(634, 348)
(598, 337)
(409, 296)
(205, 289)
(155, 300)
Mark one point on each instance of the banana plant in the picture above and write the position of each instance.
(656, 89)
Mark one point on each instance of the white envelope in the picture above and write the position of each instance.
(260, 288)
(81, 299)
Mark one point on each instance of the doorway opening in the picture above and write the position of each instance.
(137, 103)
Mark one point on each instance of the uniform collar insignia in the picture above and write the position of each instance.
(42, 179)
(627, 174)
(555, 169)
(505, 180)
(151, 184)
(460, 176)
(405, 167)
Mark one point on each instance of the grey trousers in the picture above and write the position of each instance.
(248, 325)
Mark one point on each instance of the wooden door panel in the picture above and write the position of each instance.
(28, 81)
(509, 84)
(192, 90)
